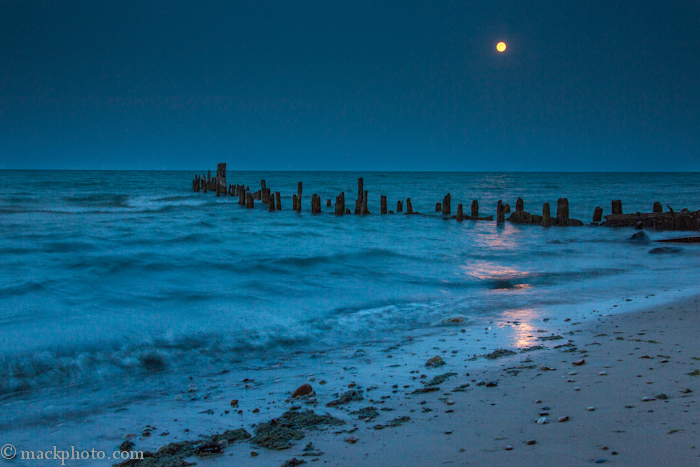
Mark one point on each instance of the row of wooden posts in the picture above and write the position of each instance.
(685, 220)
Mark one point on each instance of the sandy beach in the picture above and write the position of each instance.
(619, 388)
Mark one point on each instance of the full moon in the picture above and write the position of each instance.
(501, 46)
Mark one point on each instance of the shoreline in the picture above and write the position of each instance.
(482, 421)
(475, 424)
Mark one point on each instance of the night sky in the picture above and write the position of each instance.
(350, 85)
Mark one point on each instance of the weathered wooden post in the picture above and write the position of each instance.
(438, 207)
(338, 206)
(460, 213)
(562, 211)
(270, 204)
(475, 208)
(546, 215)
(299, 196)
(519, 205)
(446, 205)
(328, 203)
(278, 196)
(263, 190)
(597, 214)
(409, 208)
(205, 187)
(658, 207)
(399, 206)
(500, 216)
(295, 202)
(383, 205)
(241, 196)
(363, 206)
(208, 176)
(617, 206)
(506, 208)
(218, 190)
(221, 177)
(249, 204)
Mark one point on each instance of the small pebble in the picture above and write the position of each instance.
(600, 461)
(542, 421)
(563, 419)
(253, 454)
(509, 448)
(591, 409)
(530, 442)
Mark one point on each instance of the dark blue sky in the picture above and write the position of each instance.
(350, 85)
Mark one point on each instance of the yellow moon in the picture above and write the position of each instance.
(501, 46)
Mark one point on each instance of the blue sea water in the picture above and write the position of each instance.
(115, 275)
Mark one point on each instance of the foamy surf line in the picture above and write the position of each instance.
(389, 375)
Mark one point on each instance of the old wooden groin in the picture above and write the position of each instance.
(658, 219)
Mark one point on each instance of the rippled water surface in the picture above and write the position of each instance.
(121, 274)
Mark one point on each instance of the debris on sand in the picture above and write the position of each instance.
(438, 380)
(393, 423)
(426, 390)
(346, 398)
(174, 454)
(435, 362)
(366, 413)
(498, 353)
(553, 337)
(278, 432)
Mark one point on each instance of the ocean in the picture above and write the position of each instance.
(117, 285)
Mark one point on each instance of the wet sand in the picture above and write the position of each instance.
(594, 376)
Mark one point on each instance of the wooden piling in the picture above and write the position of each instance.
(218, 190)
(617, 206)
(263, 190)
(363, 207)
(249, 204)
(295, 203)
(475, 208)
(446, 205)
(299, 197)
(399, 206)
(278, 197)
(562, 211)
(546, 215)
(338, 206)
(597, 214)
(506, 208)
(221, 177)
(500, 216)
(383, 204)
(409, 208)
(438, 207)
(460, 213)
(270, 202)
(328, 203)
(519, 205)
(658, 207)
